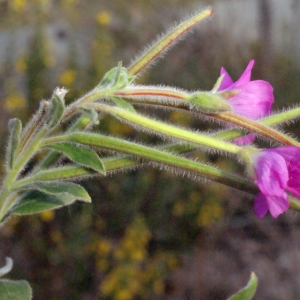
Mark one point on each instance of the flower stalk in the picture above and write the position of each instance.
(169, 97)
(169, 130)
(256, 127)
(155, 155)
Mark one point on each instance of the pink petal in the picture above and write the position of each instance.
(226, 82)
(278, 205)
(243, 140)
(289, 153)
(254, 99)
(261, 205)
(272, 174)
(246, 76)
(293, 184)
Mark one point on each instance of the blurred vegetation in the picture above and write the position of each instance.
(127, 244)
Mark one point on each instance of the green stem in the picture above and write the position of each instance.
(294, 203)
(120, 163)
(111, 164)
(163, 128)
(93, 95)
(160, 157)
(282, 117)
(256, 127)
(157, 96)
(152, 93)
(21, 161)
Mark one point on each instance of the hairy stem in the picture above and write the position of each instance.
(166, 129)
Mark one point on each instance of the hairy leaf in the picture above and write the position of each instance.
(54, 188)
(80, 155)
(34, 202)
(15, 290)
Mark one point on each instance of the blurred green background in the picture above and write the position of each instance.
(149, 233)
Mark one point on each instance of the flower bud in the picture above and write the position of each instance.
(209, 103)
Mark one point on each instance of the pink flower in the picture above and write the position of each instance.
(277, 171)
(253, 99)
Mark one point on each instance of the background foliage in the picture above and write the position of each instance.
(148, 234)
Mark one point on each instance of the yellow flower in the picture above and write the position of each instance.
(103, 247)
(14, 102)
(18, 5)
(103, 18)
(67, 77)
(47, 216)
(124, 294)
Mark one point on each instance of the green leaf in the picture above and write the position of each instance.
(34, 202)
(15, 290)
(80, 155)
(123, 104)
(248, 291)
(74, 190)
(15, 128)
(7, 268)
(56, 108)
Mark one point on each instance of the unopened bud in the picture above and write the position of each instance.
(209, 103)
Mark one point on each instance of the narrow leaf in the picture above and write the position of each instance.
(34, 202)
(15, 290)
(15, 128)
(7, 268)
(248, 291)
(123, 104)
(80, 155)
(53, 188)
